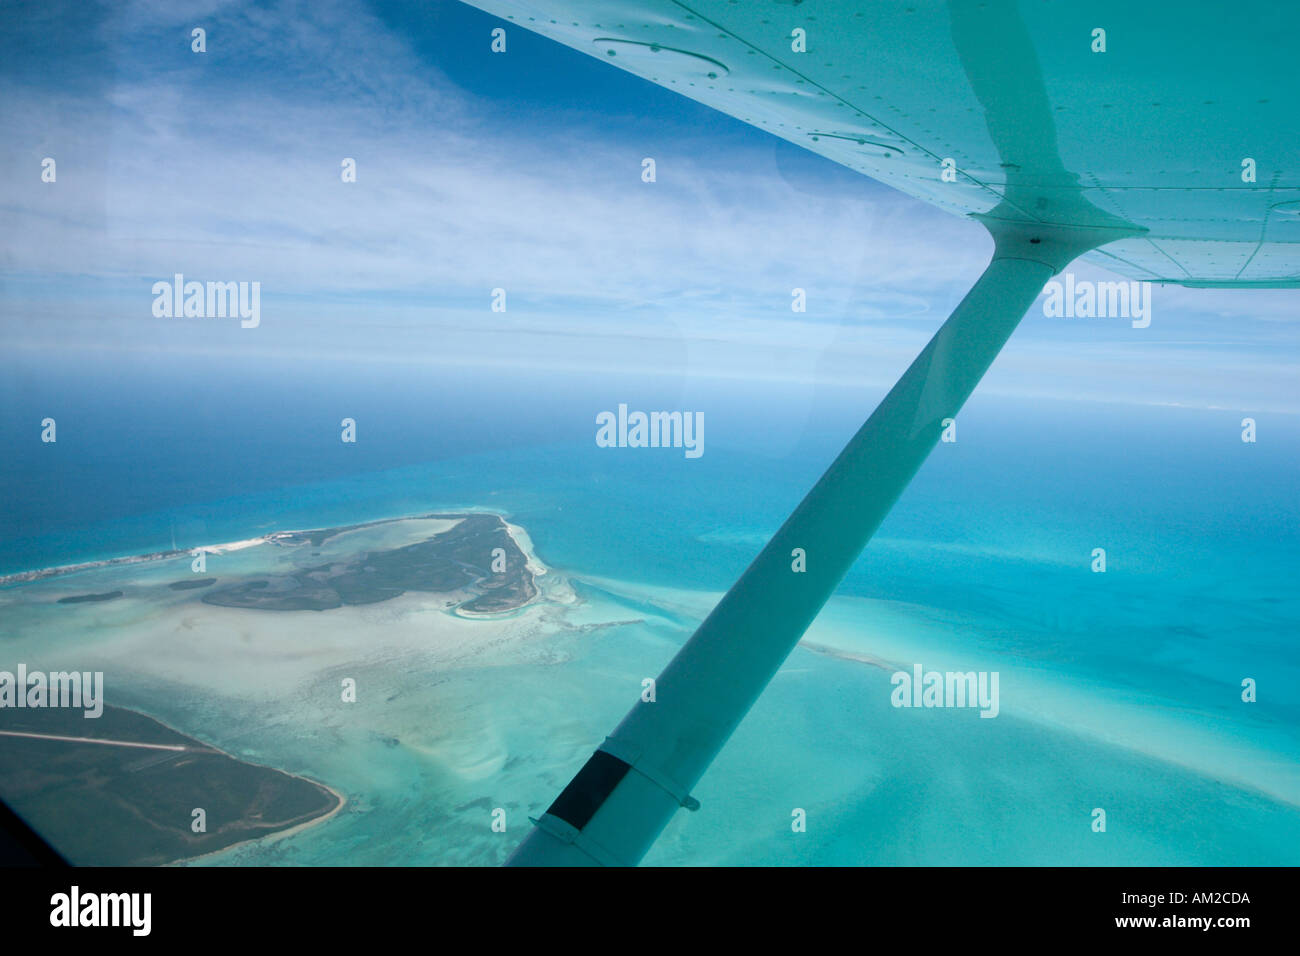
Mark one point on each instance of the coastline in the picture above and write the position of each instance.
(341, 802)
(255, 828)
(274, 537)
(278, 834)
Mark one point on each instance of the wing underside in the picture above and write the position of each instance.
(1154, 132)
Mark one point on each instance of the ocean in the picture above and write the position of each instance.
(1120, 691)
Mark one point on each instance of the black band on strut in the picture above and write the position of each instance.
(580, 800)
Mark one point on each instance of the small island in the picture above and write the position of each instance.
(90, 598)
(477, 554)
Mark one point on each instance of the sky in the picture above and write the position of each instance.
(520, 171)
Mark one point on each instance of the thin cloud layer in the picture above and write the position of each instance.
(226, 166)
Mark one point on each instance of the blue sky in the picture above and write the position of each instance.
(520, 171)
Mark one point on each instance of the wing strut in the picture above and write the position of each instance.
(624, 796)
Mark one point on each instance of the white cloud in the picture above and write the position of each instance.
(230, 170)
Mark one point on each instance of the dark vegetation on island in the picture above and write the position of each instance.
(101, 804)
(458, 559)
(85, 598)
(191, 585)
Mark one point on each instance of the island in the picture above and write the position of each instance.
(122, 790)
(477, 554)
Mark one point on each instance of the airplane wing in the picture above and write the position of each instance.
(1154, 130)
(1158, 139)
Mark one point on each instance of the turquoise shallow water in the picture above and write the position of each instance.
(1120, 690)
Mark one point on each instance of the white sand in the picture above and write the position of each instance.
(231, 546)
